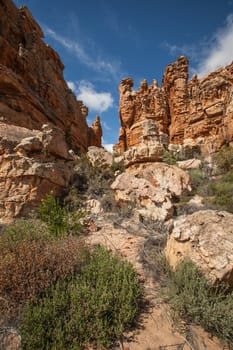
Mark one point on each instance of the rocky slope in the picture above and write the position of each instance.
(32, 88)
(156, 329)
(195, 115)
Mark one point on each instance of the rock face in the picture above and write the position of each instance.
(32, 88)
(194, 115)
(151, 188)
(40, 117)
(205, 237)
(30, 167)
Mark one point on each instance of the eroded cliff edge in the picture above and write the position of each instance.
(32, 88)
(193, 115)
(40, 117)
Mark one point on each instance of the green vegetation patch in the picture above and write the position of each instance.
(95, 307)
(194, 299)
(31, 260)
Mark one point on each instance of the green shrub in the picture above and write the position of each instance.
(91, 181)
(221, 191)
(197, 177)
(31, 260)
(224, 159)
(223, 195)
(93, 308)
(59, 219)
(217, 191)
(55, 216)
(193, 298)
(170, 157)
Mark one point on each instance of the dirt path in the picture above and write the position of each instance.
(155, 330)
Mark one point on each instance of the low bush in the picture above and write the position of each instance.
(92, 180)
(59, 219)
(217, 191)
(31, 260)
(170, 157)
(224, 159)
(198, 178)
(221, 191)
(94, 308)
(195, 300)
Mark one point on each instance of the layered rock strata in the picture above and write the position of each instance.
(32, 88)
(194, 116)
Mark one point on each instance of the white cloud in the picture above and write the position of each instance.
(190, 50)
(105, 125)
(96, 101)
(71, 85)
(220, 52)
(109, 147)
(208, 55)
(96, 63)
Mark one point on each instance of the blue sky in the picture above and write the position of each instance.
(102, 41)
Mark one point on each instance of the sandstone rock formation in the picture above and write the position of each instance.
(98, 156)
(30, 167)
(195, 116)
(95, 138)
(42, 124)
(205, 237)
(32, 88)
(151, 188)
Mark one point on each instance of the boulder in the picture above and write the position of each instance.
(99, 155)
(205, 237)
(30, 168)
(151, 187)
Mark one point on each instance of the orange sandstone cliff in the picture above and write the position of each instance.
(32, 88)
(194, 115)
(41, 122)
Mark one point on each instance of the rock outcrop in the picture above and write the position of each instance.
(99, 156)
(32, 88)
(32, 163)
(151, 189)
(42, 124)
(195, 116)
(205, 237)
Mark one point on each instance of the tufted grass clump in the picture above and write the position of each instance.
(195, 300)
(95, 307)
